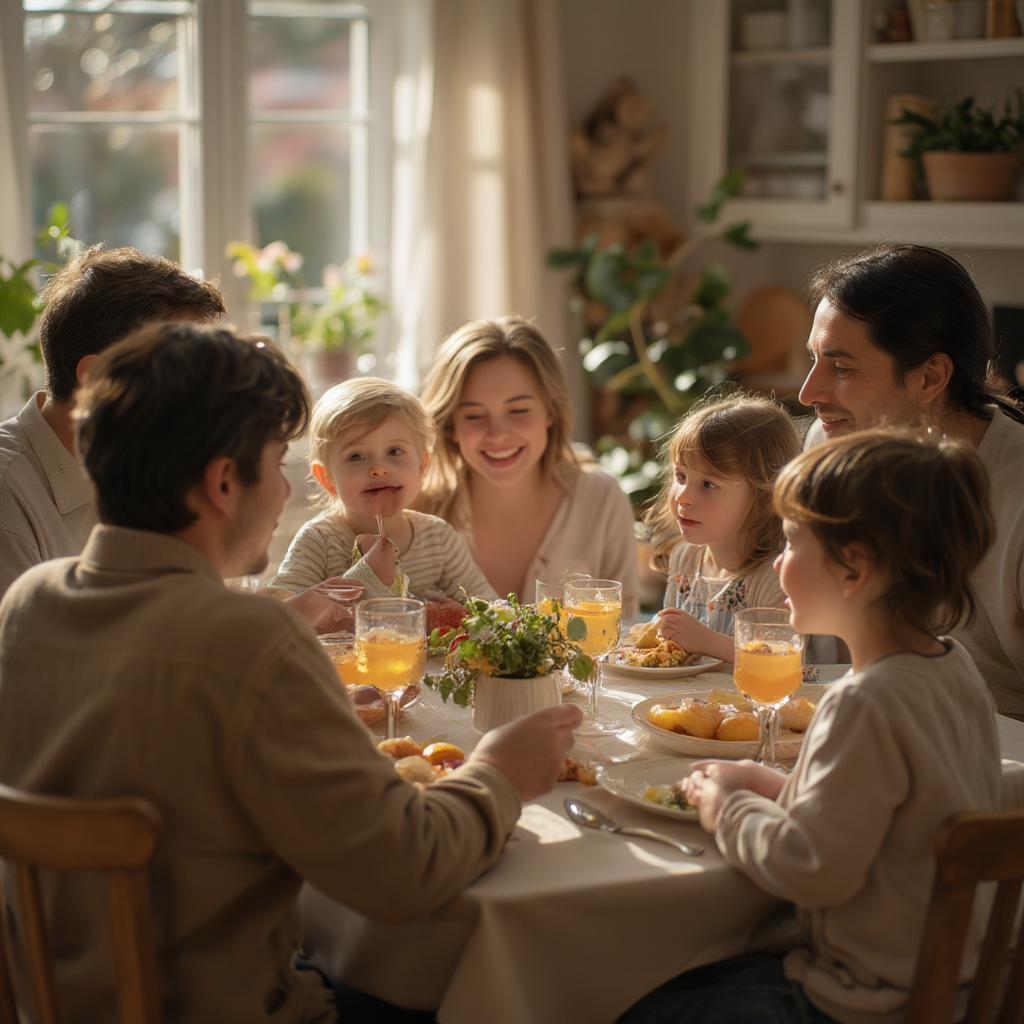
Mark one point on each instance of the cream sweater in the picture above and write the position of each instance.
(996, 637)
(437, 560)
(891, 752)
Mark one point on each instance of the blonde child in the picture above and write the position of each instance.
(723, 459)
(883, 531)
(369, 447)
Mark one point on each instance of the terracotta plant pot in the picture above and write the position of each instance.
(986, 177)
(497, 701)
(325, 367)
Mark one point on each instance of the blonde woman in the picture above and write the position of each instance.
(504, 473)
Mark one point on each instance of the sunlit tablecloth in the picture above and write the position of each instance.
(569, 925)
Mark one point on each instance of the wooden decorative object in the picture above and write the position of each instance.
(898, 172)
(1001, 21)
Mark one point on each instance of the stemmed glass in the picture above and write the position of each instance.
(391, 647)
(599, 604)
(768, 670)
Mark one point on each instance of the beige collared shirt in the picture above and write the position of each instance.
(132, 670)
(47, 504)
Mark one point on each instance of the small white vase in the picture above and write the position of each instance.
(497, 701)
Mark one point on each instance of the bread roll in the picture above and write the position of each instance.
(698, 718)
(796, 714)
(739, 726)
(400, 746)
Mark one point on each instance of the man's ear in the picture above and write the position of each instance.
(220, 484)
(83, 367)
(933, 377)
(323, 478)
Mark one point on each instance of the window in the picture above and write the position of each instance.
(179, 125)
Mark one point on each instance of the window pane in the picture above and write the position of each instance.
(300, 188)
(299, 64)
(102, 62)
(120, 184)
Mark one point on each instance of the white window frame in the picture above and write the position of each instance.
(214, 109)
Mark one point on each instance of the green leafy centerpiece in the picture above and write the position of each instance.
(507, 646)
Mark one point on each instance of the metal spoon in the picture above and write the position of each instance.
(590, 817)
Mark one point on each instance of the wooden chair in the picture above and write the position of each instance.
(117, 837)
(972, 848)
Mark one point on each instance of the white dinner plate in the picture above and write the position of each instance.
(787, 745)
(706, 664)
(628, 782)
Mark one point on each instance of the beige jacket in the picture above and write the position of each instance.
(47, 503)
(134, 671)
(891, 752)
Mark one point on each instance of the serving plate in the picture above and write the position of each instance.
(628, 782)
(787, 744)
(705, 664)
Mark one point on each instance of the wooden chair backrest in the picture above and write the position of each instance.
(972, 848)
(117, 837)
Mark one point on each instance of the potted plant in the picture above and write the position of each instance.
(328, 330)
(657, 337)
(966, 153)
(505, 658)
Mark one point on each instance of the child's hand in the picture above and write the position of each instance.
(713, 781)
(681, 627)
(380, 554)
(328, 607)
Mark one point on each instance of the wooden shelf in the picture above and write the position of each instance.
(955, 49)
(812, 55)
(808, 160)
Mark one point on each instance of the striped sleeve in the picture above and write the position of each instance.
(453, 566)
(314, 556)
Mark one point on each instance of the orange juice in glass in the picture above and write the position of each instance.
(340, 648)
(391, 647)
(768, 667)
(598, 603)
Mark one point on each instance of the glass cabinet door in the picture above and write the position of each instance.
(785, 112)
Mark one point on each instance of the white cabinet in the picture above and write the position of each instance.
(807, 121)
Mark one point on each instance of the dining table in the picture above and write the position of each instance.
(570, 924)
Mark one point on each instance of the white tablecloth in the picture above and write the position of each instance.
(570, 925)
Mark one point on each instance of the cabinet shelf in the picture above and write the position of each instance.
(955, 49)
(810, 159)
(766, 58)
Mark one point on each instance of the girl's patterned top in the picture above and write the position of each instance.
(715, 601)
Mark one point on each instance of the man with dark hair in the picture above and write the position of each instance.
(46, 500)
(133, 670)
(901, 335)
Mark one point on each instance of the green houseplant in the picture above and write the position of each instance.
(504, 657)
(19, 300)
(966, 152)
(665, 336)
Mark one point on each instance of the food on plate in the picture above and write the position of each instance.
(644, 635)
(733, 698)
(444, 753)
(444, 615)
(668, 796)
(368, 702)
(796, 714)
(691, 718)
(399, 747)
(722, 720)
(574, 770)
(415, 769)
(665, 654)
(741, 725)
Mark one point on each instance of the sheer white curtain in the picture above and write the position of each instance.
(481, 186)
(14, 240)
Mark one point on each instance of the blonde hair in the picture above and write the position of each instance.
(742, 436)
(355, 407)
(445, 491)
(918, 506)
